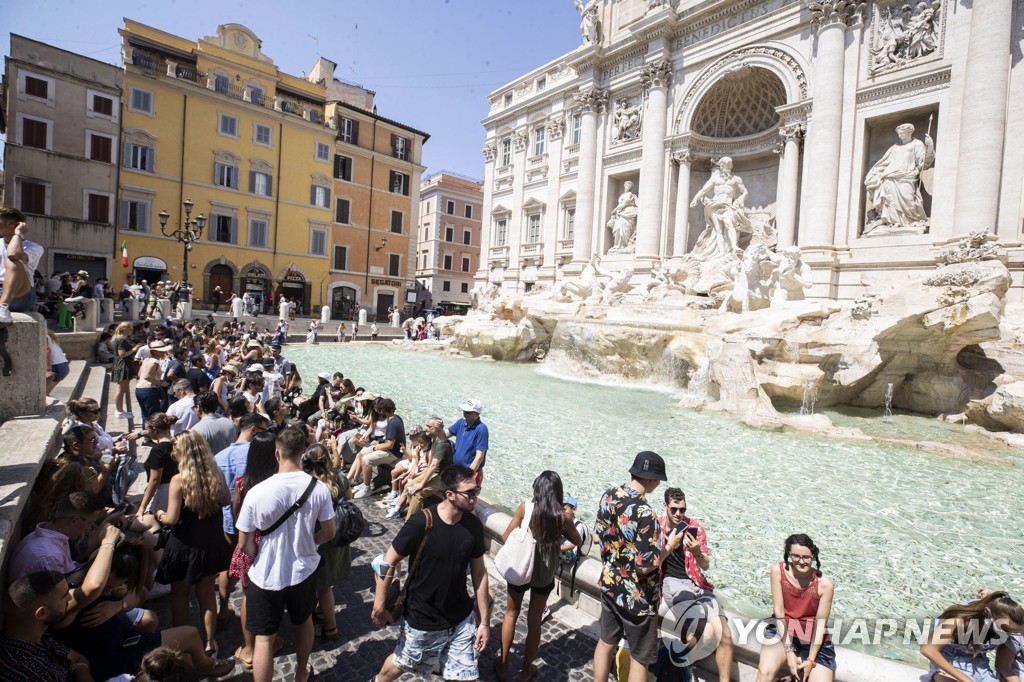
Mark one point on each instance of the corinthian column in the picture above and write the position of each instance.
(789, 174)
(824, 134)
(590, 101)
(983, 120)
(680, 233)
(655, 78)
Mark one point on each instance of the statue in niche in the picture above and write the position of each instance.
(589, 23)
(905, 33)
(792, 276)
(723, 196)
(623, 221)
(627, 121)
(894, 183)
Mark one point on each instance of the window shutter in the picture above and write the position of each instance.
(234, 230)
(312, 195)
(126, 154)
(123, 215)
(337, 165)
(252, 182)
(234, 177)
(270, 185)
(405, 185)
(150, 159)
(142, 216)
(355, 132)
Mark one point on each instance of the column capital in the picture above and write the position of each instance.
(490, 149)
(794, 131)
(844, 13)
(591, 99)
(656, 74)
(555, 128)
(684, 157)
(519, 139)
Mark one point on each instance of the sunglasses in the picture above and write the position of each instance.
(472, 492)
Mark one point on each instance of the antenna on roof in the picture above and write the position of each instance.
(316, 40)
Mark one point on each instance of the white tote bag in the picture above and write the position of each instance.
(515, 558)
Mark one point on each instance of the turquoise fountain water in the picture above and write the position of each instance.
(903, 532)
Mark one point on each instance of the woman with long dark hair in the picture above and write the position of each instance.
(335, 562)
(959, 644)
(801, 604)
(548, 522)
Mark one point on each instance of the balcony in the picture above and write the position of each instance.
(499, 253)
(535, 248)
(572, 150)
(565, 246)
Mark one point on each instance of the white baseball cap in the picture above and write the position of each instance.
(472, 405)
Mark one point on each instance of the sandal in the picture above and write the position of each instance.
(528, 674)
(330, 633)
(310, 672)
(221, 668)
(238, 657)
(211, 650)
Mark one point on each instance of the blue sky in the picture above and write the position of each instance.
(431, 62)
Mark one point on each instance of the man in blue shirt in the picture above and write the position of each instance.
(471, 439)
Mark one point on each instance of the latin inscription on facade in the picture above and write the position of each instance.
(622, 67)
(725, 23)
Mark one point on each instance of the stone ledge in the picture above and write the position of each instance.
(24, 392)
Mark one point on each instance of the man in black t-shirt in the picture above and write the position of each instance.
(440, 620)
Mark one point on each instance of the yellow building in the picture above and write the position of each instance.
(214, 121)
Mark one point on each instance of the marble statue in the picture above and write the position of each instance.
(627, 121)
(483, 295)
(614, 291)
(723, 196)
(662, 282)
(752, 279)
(589, 23)
(596, 284)
(623, 221)
(905, 33)
(655, 4)
(894, 183)
(579, 288)
(792, 276)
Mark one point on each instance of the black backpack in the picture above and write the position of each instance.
(349, 523)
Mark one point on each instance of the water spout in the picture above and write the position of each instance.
(887, 413)
(809, 398)
(791, 349)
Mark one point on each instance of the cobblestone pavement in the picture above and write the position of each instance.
(565, 653)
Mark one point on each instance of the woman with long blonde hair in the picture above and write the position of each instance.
(121, 372)
(335, 562)
(196, 550)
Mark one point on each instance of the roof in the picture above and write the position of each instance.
(343, 105)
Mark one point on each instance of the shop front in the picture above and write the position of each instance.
(294, 287)
(344, 303)
(256, 283)
(96, 266)
(149, 269)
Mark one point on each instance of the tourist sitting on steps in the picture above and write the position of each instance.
(801, 605)
(963, 635)
(20, 258)
(385, 452)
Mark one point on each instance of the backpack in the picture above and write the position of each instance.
(574, 556)
(349, 523)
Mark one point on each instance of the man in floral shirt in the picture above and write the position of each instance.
(628, 532)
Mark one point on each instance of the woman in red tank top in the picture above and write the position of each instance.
(802, 603)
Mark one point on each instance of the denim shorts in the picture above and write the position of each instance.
(975, 667)
(826, 654)
(453, 651)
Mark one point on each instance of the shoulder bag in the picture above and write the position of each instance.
(514, 560)
(242, 562)
(395, 600)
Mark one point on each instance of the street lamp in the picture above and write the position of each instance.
(191, 231)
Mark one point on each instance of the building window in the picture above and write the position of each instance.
(446, 285)
(139, 157)
(257, 95)
(533, 228)
(450, 208)
(340, 258)
(99, 147)
(323, 151)
(394, 265)
(539, 139)
(397, 221)
(465, 263)
(342, 211)
(465, 288)
(468, 213)
(570, 222)
(541, 83)
(424, 261)
(228, 125)
(506, 152)
(318, 242)
(399, 183)
(261, 183)
(501, 232)
(508, 99)
(258, 233)
(37, 87)
(261, 134)
(33, 197)
(97, 208)
(449, 234)
(400, 147)
(141, 101)
(577, 122)
(448, 262)
(320, 196)
(225, 229)
(221, 83)
(467, 237)
(343, 167)
(35, 133)
(135, 215)
(225, 175)
(348, 130)
(102, 106)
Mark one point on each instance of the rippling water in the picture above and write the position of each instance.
(903, 532)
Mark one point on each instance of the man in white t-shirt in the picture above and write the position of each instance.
(20, 258)
(283, 574)
(183, 407)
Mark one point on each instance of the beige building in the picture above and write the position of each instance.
(448, 253)
(62, 119)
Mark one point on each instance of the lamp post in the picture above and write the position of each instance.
(191, 231)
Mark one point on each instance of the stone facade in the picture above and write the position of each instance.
(448, 250)
(63, 123)
(805, 98)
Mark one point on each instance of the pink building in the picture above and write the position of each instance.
(448, 253)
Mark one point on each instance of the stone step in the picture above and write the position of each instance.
(71, 387)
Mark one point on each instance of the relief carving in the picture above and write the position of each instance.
(904, 33)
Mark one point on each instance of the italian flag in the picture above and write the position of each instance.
(124, 254)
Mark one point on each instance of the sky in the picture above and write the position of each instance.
(432, 63)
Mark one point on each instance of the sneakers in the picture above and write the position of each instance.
(393, 513)
(391, 496)
(547, 614)
(381, 488)
(362, 491)
(127, 416)
(5, 316)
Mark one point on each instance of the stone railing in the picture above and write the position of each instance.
(565, 245)
(853, 666)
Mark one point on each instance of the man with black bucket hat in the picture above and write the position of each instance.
(627, 530)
